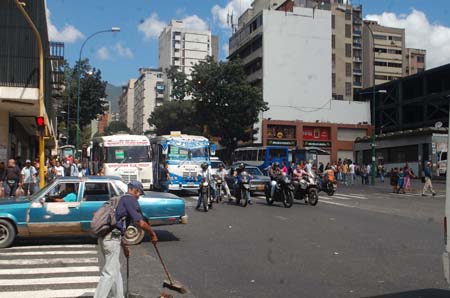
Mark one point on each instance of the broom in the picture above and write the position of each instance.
(170, 283)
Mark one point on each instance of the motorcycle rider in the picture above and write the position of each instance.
(205, 175)
(222, 173)
(274, 173)
(239, 170)
(299, 172)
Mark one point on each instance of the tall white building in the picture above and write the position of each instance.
(149, 90)
(126, 104)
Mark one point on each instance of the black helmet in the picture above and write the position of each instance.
(204, 165)
(241, 166)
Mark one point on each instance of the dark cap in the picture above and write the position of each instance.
(136, 185)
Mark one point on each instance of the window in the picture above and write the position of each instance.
(348, 89)
(348, 30)
(348, 15)
(333, 60)
(348, 50)
(378, 36)
(395, 38)
(380, 63)
(348, 69)
(333, 80)
(95, 191)
(333, 41)
(333, 21)
(392, 64)
(420, 59)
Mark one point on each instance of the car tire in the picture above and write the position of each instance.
(134, 235)
(7, 233)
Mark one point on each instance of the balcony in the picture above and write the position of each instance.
(357, 32)
(357, 71)
(357, 45)
(357, 58)
(357, 84)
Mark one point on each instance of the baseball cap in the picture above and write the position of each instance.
(136, 185)
(28, 161)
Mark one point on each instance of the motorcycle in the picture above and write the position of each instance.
(329, 187)
(243, 189)
(306, 189)
(284, 191)
(219, 188)
(205, 191)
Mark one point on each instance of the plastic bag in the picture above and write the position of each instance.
(20, 192)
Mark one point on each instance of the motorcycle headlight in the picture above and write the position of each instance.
(205, 184)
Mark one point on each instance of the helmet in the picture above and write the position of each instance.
(276, 165)
(241, 166)
(204, 165)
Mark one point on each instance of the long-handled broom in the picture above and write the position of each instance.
(170, 283)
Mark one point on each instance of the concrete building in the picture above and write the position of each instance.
(415, 61)
(389, 49)
(19, 81)
(149, 92)
(283, 50)
(126, 104)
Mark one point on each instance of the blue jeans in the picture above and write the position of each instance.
(109, 249)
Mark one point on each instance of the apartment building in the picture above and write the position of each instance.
(149, 92)
(415, 61)
(126, 104)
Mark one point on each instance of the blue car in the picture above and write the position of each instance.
(54, 212)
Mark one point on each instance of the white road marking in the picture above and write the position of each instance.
(69, 293)
(39, 247)
(49, 261)
(341, 198)
(49, 281)
(338, 204)
(48, 270)
(37, 253)
(358, 196)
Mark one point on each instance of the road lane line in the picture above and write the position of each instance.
(51, 246)
(68, 293)
(358, 196)
(49, 281)
(49, 261)
(341, 198)
(37, 253)
(48, 270)
(338, 204)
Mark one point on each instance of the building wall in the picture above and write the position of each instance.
(126, 104)
(415, 61)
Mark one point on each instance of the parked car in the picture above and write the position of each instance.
(257, 183)
(42, 215)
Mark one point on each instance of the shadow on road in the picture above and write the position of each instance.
(424, 293)
(163, 236)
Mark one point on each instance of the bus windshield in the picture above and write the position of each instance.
(182, 153)
(127, 154)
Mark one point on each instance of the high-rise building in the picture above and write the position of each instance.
(415, 61)
(149, 90)
(385, 51)
(126, 104)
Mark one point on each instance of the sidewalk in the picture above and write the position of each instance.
(416, 185)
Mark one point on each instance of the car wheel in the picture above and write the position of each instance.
(134, 235)
(7, 233)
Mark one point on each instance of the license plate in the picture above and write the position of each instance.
(190, 184)
(260, 187)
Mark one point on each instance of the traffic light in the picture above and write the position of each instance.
(40, 123)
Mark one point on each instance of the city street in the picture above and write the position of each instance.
(361, 242)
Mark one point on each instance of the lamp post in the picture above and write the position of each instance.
(20, 6)
(113, 29)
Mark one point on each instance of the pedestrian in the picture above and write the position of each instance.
(428, 185)
(110, 245)
(164, 177)
(394, 179)
(2, 172)
(84, 170)
(75, 168)
(284, 169)
(345, 173)
(12, 178)
(28, 175)
(401, 180)
(101, 172)
(411, 176)
(59, 169)
(406, 178)
(382, 172)
(51, 171)
(363, 174)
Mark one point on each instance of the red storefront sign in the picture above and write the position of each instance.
(316, 133)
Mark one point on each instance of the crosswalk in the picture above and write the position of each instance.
(52, 271)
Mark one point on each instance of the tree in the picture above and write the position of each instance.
(180, 83)
(116, 127)
(175, 116)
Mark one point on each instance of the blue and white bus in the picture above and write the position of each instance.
(183, 154)
(261, 156)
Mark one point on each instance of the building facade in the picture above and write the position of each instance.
(19, 80)
(126, 104)
(149, 92)
(415, 61)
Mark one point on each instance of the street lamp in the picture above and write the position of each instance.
(113, 29)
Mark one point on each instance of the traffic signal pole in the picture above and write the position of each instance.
(41, 91)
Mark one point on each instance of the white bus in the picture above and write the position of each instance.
(183, 154)
(124, 155)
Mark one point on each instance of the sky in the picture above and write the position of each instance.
(119, 55)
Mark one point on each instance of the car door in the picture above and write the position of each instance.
(55, 218)
(95, 193)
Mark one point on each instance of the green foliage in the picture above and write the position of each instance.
(180, 83)
(116, 127)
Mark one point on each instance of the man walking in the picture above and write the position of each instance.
(110, 245)
(28, 174)
(428, 185)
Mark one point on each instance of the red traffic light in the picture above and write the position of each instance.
(40, 122)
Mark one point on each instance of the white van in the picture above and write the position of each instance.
(442, 163)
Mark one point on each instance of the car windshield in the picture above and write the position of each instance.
(254, 171)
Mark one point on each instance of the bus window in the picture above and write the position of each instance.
(252, 155)
(129, 153)
(277, 153)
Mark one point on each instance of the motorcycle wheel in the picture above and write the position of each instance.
(313, 197)
(288, 199)
(244, 200)
(269, 200)
(330, 192)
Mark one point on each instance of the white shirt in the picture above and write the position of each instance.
(308, 168)
(59, 171)
(28, 174)
(352, 168)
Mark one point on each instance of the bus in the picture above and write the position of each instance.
(124, 155)
(183, 154)
(66, 151)
(261, 156)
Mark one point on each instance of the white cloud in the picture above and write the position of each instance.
(152, 26)
(420, 33)
(103, 53)
(234, 7)
(68, 34)
(195, 23)
(123, 51)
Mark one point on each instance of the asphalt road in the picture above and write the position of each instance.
(362, 242)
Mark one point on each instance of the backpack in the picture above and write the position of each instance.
(104, 219)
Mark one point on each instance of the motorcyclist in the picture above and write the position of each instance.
(222, 173)
(239, 170)
(274, 173)
(205, 175)
(328, 176)
(299, 172)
